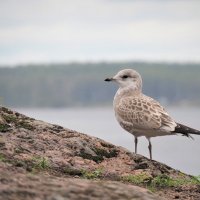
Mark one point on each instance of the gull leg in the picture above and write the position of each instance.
(150, 148)
(136, 141)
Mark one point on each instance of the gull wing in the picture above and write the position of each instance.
(144, 113)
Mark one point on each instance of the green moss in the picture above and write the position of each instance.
(10, 118)
(25, 125)
(167, 181)
(34, 165)
(96, 174)
(2, 158)
(197, 178)
(41, 163)
(138, 179)
(161, 181)
(19, 123)
(4, 128)
(164, 181)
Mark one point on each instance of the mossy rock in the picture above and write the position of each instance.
(4, 128)
(100, 154)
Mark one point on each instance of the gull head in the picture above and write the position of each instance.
(127, 78)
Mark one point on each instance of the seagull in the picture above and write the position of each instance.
(141, 115)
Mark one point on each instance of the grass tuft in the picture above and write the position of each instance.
(160, 181)
(41, 163)
(138, 179)
(2, 158)
(96, 174)
(4, 128)
(167, 181)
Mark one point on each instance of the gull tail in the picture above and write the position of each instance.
(185, 130)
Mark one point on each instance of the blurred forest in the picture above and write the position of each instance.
(76, 84)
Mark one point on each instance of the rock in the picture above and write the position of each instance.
(55, 155)
(2, 121)
(20, 185)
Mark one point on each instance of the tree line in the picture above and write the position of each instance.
(82, 84)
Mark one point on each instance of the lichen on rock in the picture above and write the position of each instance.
(56, 156)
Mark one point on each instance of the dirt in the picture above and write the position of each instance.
(39, 160)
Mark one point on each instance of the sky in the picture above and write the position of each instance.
(46, 31)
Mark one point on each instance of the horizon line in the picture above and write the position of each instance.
(46, 63)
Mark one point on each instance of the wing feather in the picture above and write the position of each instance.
(144, 113)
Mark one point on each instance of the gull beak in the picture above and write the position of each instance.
(109, 79)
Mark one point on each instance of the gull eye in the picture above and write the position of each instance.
(125, 76)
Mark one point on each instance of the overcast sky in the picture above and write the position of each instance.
(96, 30)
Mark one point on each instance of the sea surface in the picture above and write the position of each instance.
(178, 152)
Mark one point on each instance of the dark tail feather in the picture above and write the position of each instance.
(185, 130)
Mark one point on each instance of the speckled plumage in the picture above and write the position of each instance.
(139, 114)
(142, 116)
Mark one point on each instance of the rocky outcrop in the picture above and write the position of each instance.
(17, 184)
(39, 160)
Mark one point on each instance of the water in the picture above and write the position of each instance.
(176, 151)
